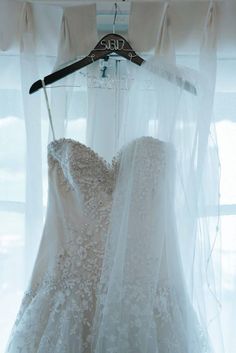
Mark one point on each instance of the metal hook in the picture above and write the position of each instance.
(114, 20)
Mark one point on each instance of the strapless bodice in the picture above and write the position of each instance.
(66, 275)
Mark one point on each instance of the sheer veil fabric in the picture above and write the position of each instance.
(157, 289)
(160, 278)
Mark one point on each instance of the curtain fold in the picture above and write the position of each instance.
(143, 38)
(32, 115)
(78, 33)
(210, 160)
(164, 45)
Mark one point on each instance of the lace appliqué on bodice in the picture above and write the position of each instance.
(57, 312)
(66, 296)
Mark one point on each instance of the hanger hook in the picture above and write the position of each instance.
(114, 20)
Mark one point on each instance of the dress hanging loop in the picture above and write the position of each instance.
(49, 110)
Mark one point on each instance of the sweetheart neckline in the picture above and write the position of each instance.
(116, 155)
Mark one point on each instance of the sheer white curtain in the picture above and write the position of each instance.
(41, 38)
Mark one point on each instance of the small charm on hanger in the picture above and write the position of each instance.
(104, 66)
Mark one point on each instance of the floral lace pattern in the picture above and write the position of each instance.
(79, 165)
(66, 295)
(57, 311)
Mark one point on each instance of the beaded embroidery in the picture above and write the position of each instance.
(64, 301)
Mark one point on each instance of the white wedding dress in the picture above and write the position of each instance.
(122, 266)
(57, 312)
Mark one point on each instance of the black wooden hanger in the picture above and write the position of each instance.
(110, 43)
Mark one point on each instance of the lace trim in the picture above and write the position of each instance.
(79, 167)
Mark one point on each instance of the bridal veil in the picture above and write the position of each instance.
(158, 271)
